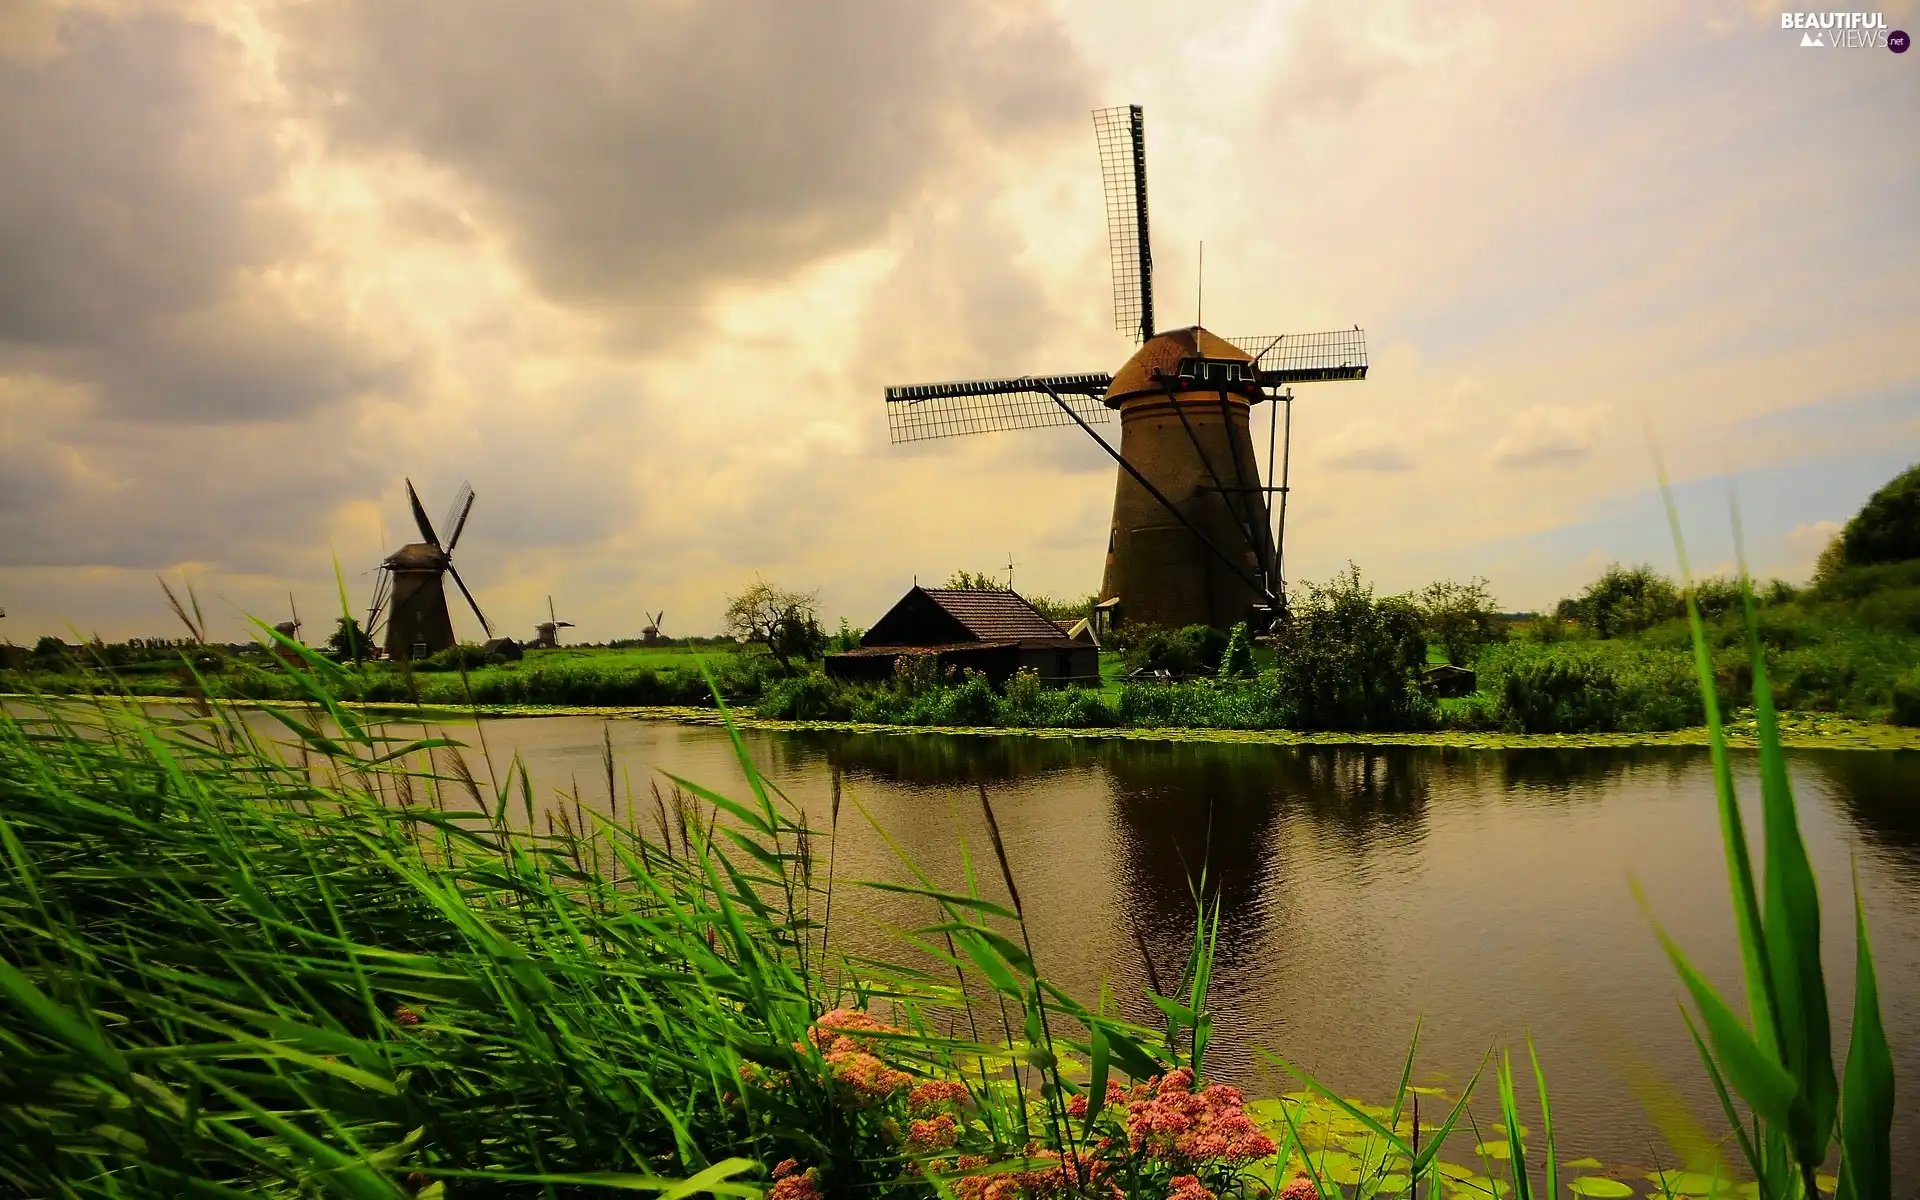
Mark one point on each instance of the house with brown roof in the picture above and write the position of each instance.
(993, 632)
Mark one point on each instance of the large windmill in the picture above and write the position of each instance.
(1191, 541)
(412, 592)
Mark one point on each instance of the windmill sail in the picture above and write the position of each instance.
(918, 412)
(456, 518)
(1121, 133)
(1308, 357)
(420, 516)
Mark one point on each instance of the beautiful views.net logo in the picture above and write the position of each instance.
(1845, 30)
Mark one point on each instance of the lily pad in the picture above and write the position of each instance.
(1478, 1185)
(1584, 1164)
(1495, 1150)
(1454, 1170)
(1598, 1185)
(1826, 1183)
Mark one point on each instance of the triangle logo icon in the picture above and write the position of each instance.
(1813, 39)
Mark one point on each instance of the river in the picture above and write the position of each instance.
(1486, 891)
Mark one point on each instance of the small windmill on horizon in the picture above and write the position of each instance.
(546, 635)
(1191, 540)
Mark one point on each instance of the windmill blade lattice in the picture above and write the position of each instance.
(456, 519)
(1337, 354)
(1121, 134)
(922, 411)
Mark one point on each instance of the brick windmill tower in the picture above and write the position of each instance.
(1192, 540)
(412, 593)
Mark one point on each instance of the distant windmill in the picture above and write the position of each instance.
(547, 632)
(290, 629)
(1190, 541)
(412, 592)
(651, 633)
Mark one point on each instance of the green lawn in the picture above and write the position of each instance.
(657, 657)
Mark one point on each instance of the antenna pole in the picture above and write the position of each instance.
(1139, 130)
(1200, 288)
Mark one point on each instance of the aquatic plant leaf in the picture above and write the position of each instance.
(1866, 1118)
(1598, 1185)
(1792, 922)
(1587, 1163)
(1551, 1175)
(952, 898)
(1752, 1071)
(1762, 1003)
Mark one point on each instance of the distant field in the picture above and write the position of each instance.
(658, 657)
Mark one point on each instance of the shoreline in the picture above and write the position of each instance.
(1799, 731)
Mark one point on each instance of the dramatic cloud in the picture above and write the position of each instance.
(636, 156)
(142, 233)
(639, 271)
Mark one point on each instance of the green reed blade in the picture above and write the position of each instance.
(1752, 1071)
(1866, 1113)
(1762, 1005)
(1792, 914)
(1552, 1176)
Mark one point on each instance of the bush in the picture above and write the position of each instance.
(467, 656)
(1194, 650)
(1459, 618)
(809, 697)
(1591, 688)
(1906, 699)
(1236, 661)
(1626, 600)
(1349, 661)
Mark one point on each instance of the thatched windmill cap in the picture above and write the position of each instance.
(416, 556)
(1162, 352)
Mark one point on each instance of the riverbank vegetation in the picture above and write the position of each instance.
(1615, 658)
(362, 968)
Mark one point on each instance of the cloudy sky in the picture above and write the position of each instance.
(639, 270)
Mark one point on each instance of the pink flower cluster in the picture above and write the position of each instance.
(1077, 1107)
(933, 1134)
(934, 1093)
(1299, 1188)
(791, 1183)
(1168, 1119)
(851, 1060)
(1051, 1177)
(1187, 1187)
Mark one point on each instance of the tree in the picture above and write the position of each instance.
(1887, 527)
(348, 642)
(975, 581)
(1349, 661)
(1626, 600)
(786, 623)
(1459, 617)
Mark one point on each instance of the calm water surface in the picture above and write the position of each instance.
(1361, 889)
